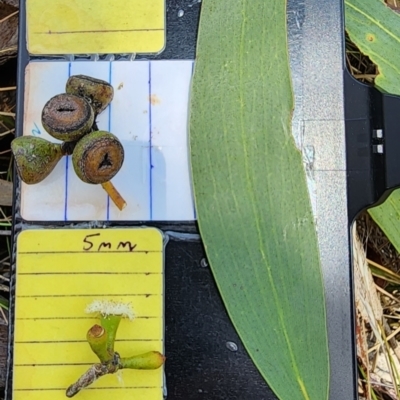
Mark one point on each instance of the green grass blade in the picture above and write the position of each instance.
(251, 195)
(375, 29)
(384, 273)
(387, 217)
(4, 303)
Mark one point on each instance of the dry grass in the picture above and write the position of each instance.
(377, 313)
(7, 104)
(377, 336)
(7, 128)
(8, 42)
(359, 65)
(379, 365)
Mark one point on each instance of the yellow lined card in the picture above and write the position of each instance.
(58, 273)
(101, 26)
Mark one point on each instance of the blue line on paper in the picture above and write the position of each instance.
(66, 170)
(150, 149)
(36, 130)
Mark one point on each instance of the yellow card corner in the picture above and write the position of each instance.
(82, 27)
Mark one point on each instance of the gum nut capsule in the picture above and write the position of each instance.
(35, 157)
(67, 117)
(98, 157)
(97, 92)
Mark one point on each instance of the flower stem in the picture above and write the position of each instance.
(115, 196)
(110, 323)
(91, 375)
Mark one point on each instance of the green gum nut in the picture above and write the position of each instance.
(35, 158)
(98, 157)
(97, 92)
(67, 117)
(97, 339)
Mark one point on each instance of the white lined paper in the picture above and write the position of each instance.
(148, 114)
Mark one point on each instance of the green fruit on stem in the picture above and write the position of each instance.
(98, 157)
(97, 339)
(67, 117)
(35, 157)
(150, 360)
(97, 92)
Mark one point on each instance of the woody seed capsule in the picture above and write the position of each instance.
(97, 92)
(67, 117)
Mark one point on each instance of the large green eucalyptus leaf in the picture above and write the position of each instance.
(251, 194)
(375, 29)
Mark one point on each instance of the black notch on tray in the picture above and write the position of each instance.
(372, 144)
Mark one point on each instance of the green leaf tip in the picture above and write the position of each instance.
(375, 29)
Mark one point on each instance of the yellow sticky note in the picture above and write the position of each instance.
(101, 26)
(59, 272)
